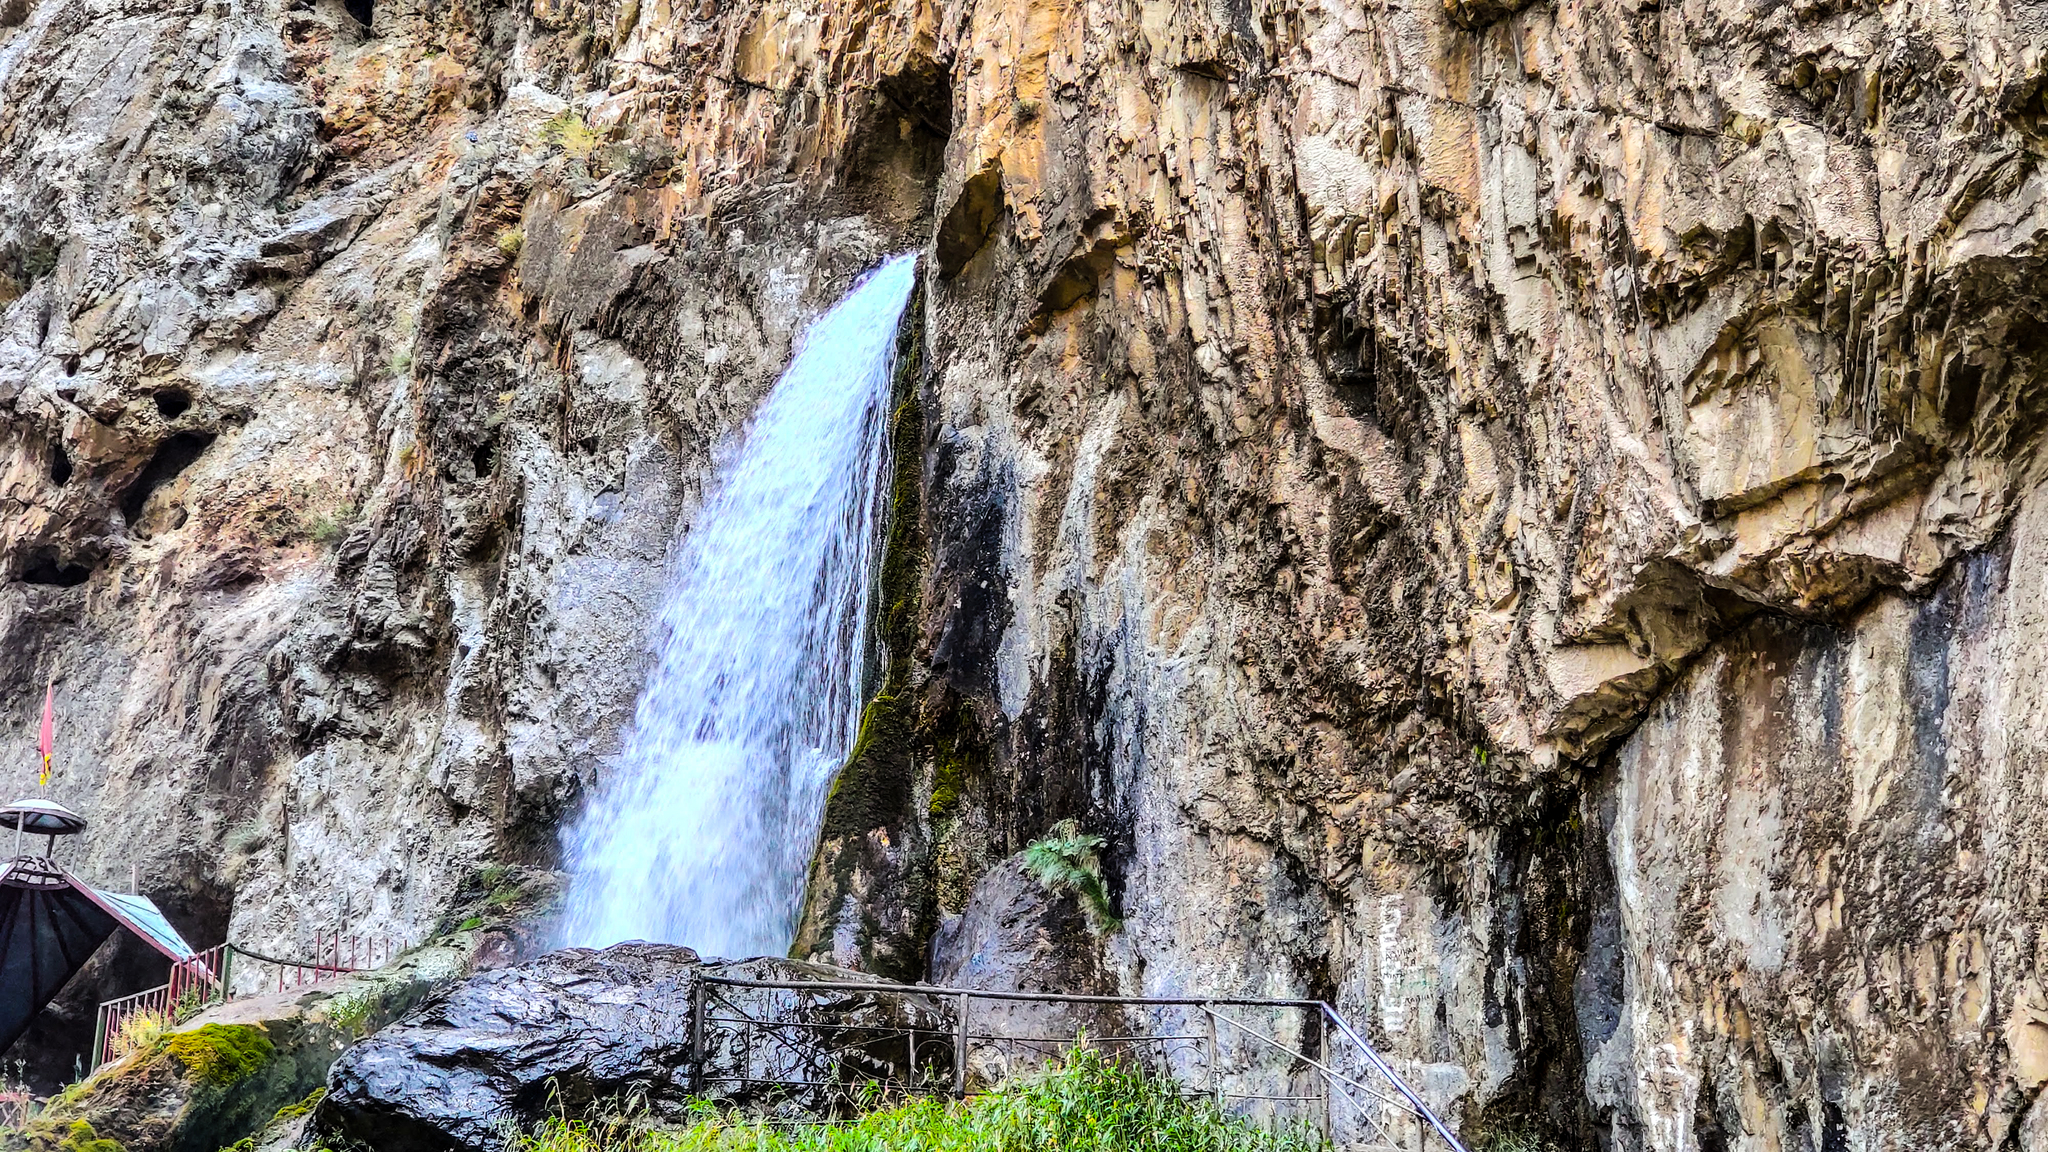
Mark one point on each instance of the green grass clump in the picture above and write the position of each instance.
(222, 1054)
(140, 1030)
(1066, 861)
(1091, 1103)
(568, 132)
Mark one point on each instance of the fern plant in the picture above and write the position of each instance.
(1065, 862)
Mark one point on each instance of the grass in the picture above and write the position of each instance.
(1091, 1103)
(140, 1030)
(569, 133)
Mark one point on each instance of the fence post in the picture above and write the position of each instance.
(1215, 1073)
(697, 1053)
(960, 1049)
(1328, 1059)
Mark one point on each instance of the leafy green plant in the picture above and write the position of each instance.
(511, 240)
(1067, 862)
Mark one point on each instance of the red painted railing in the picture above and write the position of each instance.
(193, 985)
(134, 1021)
(333, 955)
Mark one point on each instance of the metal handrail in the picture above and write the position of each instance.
(1039, 997)
(1399, 1084)
(205, 972)
(209, 972)
(1410, 1100)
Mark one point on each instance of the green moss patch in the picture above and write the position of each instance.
(44, 1135)
(222, 1054)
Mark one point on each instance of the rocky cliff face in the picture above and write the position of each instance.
(1503, 515)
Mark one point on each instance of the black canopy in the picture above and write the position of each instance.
(50, 924)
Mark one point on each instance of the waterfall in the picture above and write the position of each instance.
(703, 834)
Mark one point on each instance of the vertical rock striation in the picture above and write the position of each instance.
(1502, 515)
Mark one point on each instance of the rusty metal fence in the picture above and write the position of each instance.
(839, 1045)
(207, 978)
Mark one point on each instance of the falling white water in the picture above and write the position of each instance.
(704, 833)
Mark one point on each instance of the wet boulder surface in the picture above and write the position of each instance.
(581, 1031)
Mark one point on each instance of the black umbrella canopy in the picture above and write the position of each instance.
(48, 928)
(41, 818)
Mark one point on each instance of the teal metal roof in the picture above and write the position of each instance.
(142, 917)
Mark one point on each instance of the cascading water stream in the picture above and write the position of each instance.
(704, 833)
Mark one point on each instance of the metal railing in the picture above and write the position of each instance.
(207, 979)
(334, 956)
(1272, 1061)
(195, 983)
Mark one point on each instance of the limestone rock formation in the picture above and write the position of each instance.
(1513, 518)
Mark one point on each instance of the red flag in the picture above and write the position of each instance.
(47, 743)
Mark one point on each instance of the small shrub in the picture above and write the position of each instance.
(568, 132)
(327, 527)
(511, 240)
(1066, 862)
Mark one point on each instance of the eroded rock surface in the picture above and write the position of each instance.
(1824, 842)
(1359, 448)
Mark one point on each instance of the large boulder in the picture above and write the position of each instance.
(579, 1030)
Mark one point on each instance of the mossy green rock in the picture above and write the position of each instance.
(244, 1074)
(221, 1055)
(48, 1134)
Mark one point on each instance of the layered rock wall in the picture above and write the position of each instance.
(1366, 458)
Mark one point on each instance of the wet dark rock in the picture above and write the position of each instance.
(580, 1030)
(503, 1046)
